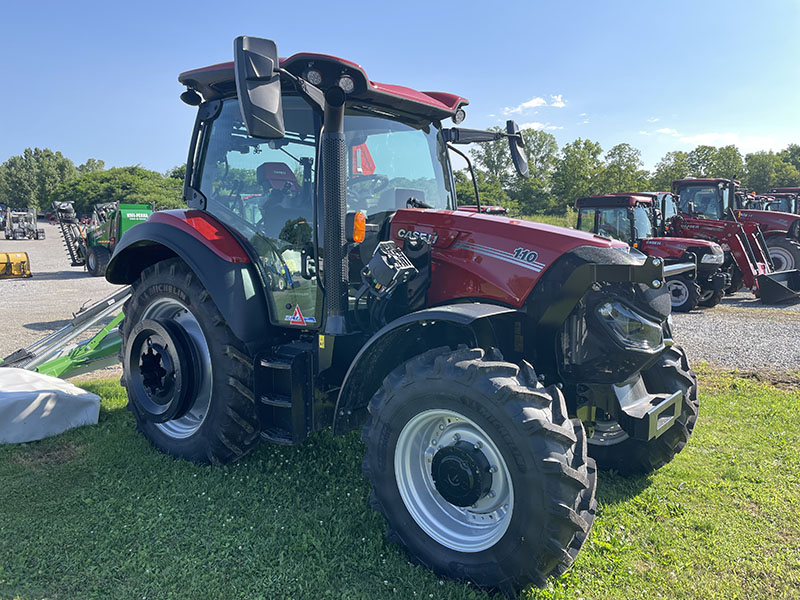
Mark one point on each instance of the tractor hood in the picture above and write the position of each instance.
(768, 220)
(477, 256)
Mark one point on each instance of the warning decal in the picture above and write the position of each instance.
(297, 318)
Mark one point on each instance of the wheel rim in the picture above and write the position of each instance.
(90, 261)
(177, 312)
(781, 258)
(679, 292)
(465, 529)
(607, 432)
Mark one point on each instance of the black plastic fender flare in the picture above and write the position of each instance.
(470, 323)
(235, 288)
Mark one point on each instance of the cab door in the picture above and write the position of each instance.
(265, 190)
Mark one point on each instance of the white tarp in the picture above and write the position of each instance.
(34, 406)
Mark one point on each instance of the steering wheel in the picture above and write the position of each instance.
(361, 187)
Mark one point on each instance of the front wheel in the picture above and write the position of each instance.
(97, 260)
(188, 377)
(684, 293)
(611, 446)
(478, 470)
(710, 298)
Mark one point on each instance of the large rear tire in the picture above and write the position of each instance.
(612, 448)
(785, 253)
(478, 470)
(215, 420)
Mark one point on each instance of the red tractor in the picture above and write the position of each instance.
(630, 218)
(708, 211)
(476, 353)
(787, 199)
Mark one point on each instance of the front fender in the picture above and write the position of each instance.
(234, 287)
(473, 324)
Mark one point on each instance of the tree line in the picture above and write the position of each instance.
(558, 176)
(38, 177)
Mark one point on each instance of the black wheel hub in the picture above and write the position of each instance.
(461, 474)
(160, 367)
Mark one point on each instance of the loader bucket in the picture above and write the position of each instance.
(14, 264)
(781, 286)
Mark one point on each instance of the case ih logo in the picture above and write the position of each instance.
(410, 234)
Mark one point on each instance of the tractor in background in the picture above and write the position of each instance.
(787, 199)
(92, 244)
(22, 224)
(633, 219)
(487, 361)
(707, 211)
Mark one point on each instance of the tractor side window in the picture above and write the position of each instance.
(613, 222)
(705, 199)
(643, 226)
(390, 162)
(264, 189)
(670, 208)
(586, 220)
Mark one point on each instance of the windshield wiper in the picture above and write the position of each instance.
(414, 203)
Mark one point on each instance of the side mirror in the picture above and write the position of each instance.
(258, 85)
(517, 146)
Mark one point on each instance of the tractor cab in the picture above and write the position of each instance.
(625, 217)
(786, 199)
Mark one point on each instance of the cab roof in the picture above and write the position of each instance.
(691, 180)
(614, 200)
(218, 81)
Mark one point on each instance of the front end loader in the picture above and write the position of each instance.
(322, 275)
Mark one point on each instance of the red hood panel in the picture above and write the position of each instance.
(487, 257)
(768, 220)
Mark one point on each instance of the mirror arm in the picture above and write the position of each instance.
(471, 172)
(310, 92)
(459, 135)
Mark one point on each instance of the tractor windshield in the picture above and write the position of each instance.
(706, 199)
(393, 165)
(611, 222)
(642, 225)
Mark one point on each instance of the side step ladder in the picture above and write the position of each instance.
(283, 393)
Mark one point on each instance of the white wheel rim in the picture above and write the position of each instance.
(679, 292)
(468, 529)
(781, 258)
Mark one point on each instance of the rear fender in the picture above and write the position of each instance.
(473, 324)
(230, 278)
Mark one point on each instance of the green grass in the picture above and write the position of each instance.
(567, 220)
(97, 513)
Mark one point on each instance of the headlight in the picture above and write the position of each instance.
(632, 330)
(713, 259)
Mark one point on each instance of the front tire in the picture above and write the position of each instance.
(710, 298)
(612, 448)
(97, 260)
(218, 422)
(478, 470)
(785, 253)
(684, 293)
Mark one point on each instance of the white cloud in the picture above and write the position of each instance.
(492, 115)
(540, 126)
(583, 115)
(653, 120)
(642, 132)
(585, 121)
(745, 143)
(668, 131)
(557, 101)
(532, 103)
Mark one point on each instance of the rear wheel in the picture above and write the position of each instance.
(478, 470)
(97, 260)
(611, 446)
(684, 293)
(188, 378)
(785, 253)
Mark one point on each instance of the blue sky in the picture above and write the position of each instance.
(99, 79)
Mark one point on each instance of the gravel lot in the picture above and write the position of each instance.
(740, 333)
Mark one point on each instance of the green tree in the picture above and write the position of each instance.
(179, 172)
(31, 177)
(766, 169)
(91, 165)
(133, 185)
(702, 161)
(578, 171)
(623, 171)
(489, 188)
(494, 159)
(542, 150)
(728, 163)
(673, 165)
(791, 155)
